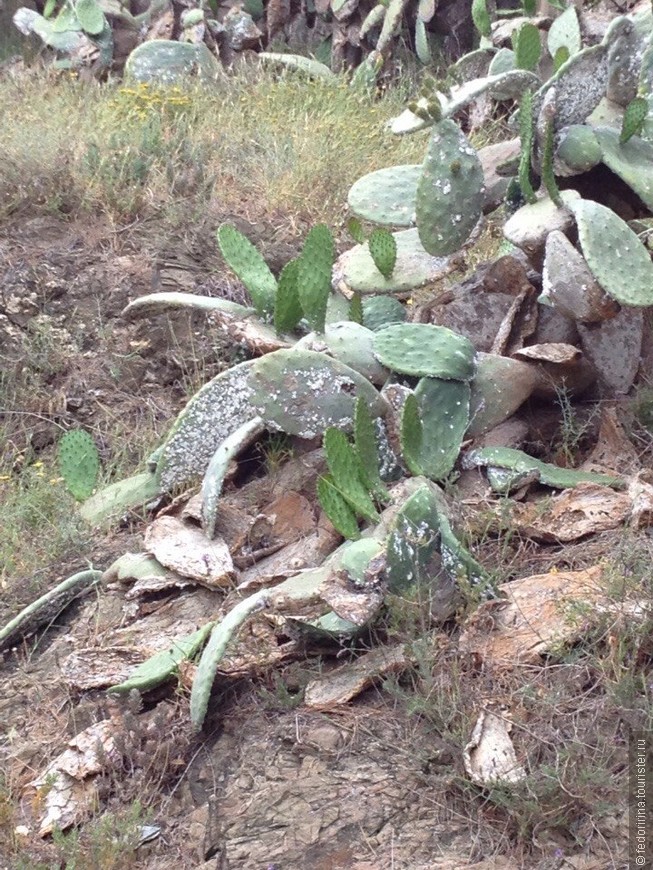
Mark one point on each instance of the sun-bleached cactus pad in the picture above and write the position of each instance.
(414, 267)
(218, 467)
(423, 349)
(303, 393)
(580, 84)
(450, 192)
(215, 411)
(387, 196)
(618, 260)
(155, 303)
(499, 387)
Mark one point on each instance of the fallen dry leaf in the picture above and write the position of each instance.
(185, 549)
(538, 613)
(347, 681)
(489, 757)
(66, 789)
(584, 510)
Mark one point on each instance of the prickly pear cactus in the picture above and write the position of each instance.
(337, 508)
(314, 275)
(550, 475)
(249, 265)
(287, 307)
(527, 47)
(632, 161)
(303, 392)
(365, 441)
(163, 665)
(218, 467)
(425, 350)
(79, 463)
(214, 412)
(352, 344)
(383, 250)
(382, 311)
(348, 473)
(412, 435)
(386, 196)
(577, 150)
(564, 33)
(414, 267)
(450, 192)
(634, 117)
(413, 542)
(580, 84)
(616, 257)
(444, 411)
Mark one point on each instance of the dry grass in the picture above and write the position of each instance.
(280, 142)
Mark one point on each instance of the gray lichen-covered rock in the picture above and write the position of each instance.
(166, 62)
(569, 286)
(529, 227)
(240, 30)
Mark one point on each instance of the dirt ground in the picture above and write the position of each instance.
(269, 784)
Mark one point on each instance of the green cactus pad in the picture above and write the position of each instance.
(287, 307)
(386, 196)
(79, 463)
(499, 387)
(414, 267)
(527, 47)
(481, 17)
(425, 350)
(249, 265)
(115, 500)
(41, 611)
(90, 16)
(634, 116)
(348, 474)
(352, 344)
(337, 508)
(565, 33)
(577, 150)
(526, 134)
(214, 412)
(303, 393)
(444, 412)
(163, 665)
(382, 311)
(450, 192)
(221, 635)
(314, 275)
(365, 441)
(412, 435)
(383, 250)
(632, 161)
(356, 309)
(218, 467)
(550, 475)
(616, 257)
(413, 541)
(502, 62)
